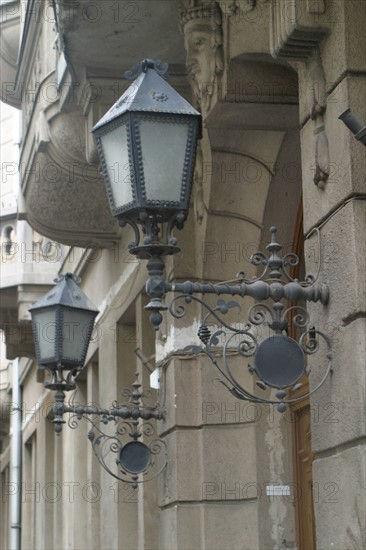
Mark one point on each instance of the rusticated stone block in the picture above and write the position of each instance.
(338, 407)
(339, 499)
(203, 465)
(195, 396)
(233, 532)
(224, 449)
(183, 390)
(201, 526)
(181, 479)
(341, 264)
(181, 527)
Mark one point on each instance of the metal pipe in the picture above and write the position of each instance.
(15, 460)
(356, 127)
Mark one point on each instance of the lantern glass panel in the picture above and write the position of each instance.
(76, 329)
(44, 324)
(115, 149)
(163, 152)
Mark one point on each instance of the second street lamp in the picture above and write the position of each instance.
(63, 322)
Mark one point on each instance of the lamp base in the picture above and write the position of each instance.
(147, 251)
(60, 386)
(61, 379)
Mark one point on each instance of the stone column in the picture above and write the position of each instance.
(336, 212)
(208, 493)
(148, 512)
(108, 392)
(92, 466)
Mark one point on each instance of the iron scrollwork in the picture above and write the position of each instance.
(115, 433)
(278, 362)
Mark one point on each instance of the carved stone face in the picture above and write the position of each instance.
(201, 57)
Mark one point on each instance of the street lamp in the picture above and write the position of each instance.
(147, 144)
(63, 321)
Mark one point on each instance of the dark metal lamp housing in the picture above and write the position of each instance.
(62, 322)
(147, 146)
(356, 127)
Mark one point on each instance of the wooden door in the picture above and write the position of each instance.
(302, 453)
(303, 462)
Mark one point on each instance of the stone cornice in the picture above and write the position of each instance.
(8, 214)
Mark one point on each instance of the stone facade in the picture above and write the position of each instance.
(271, 78)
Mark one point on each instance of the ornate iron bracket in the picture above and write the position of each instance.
(136, 461)
(279, 360)
(275, 282)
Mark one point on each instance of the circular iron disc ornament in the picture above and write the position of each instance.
(279, 361)
(135, 457)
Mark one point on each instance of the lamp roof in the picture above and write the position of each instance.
(65, 293)
(149, 93)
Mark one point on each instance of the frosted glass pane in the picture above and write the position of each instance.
(45, 322)
(75, 330)
(116, 157)
(163, 149)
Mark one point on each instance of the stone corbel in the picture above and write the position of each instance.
(316, 7)
(18, 335)
(19, 341)
(295, 28)
(233, 7)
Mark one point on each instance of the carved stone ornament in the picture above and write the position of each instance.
(232, 7)
(199, 204)
(201, 24)
(317, 106)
